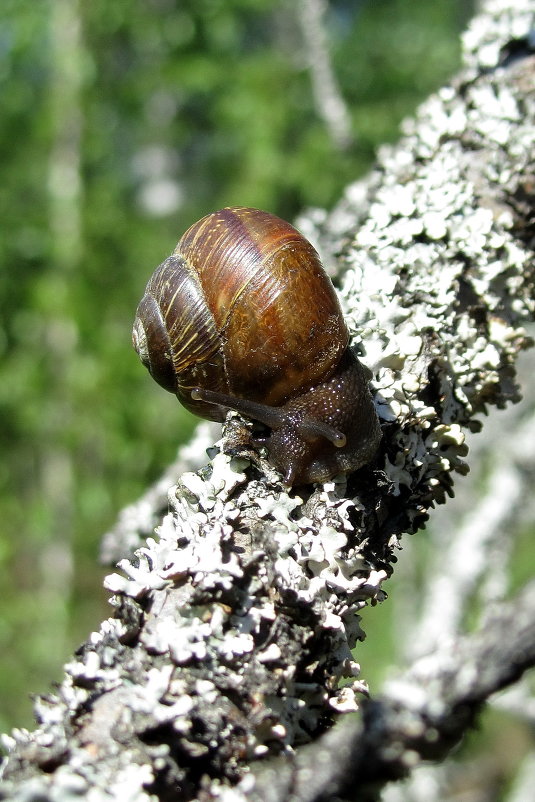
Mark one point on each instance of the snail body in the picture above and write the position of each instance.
(242, 316)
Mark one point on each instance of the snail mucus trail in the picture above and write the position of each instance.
(242, 316)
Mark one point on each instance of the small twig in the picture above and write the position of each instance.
(329, 101)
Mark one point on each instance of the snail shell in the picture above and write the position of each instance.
(242, 316)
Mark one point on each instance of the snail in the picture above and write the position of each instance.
(242, 317)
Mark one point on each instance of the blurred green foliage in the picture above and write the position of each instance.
(121, 124)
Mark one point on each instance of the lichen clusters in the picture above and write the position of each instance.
(223, 649)
(241, 598)
(446, 278)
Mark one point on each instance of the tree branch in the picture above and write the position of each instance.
(234, 628)
(419, 717)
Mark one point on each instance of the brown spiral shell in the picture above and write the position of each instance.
(242, 307)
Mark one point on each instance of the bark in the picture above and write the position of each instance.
(235, 625)
(406, 723)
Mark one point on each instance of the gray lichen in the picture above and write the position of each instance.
(440, 271)
(235, 624)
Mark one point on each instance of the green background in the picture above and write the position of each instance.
(122, 123)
